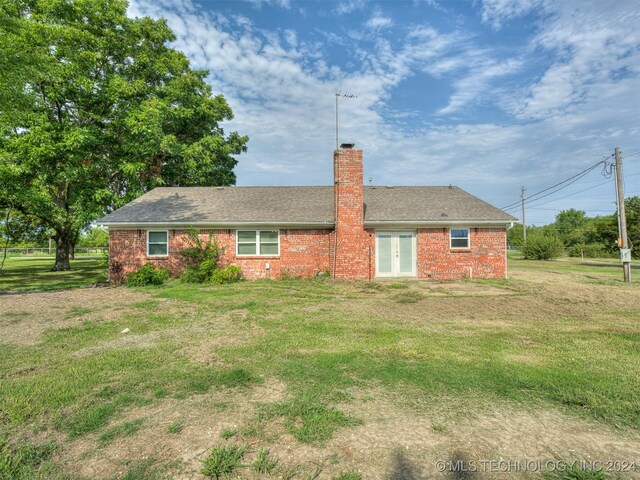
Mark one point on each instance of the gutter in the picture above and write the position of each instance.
(439, 223)
(141, 225)
(325, 224)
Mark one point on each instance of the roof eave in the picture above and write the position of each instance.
(150, 224)
(438, 223)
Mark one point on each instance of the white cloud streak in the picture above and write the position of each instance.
(281, 88)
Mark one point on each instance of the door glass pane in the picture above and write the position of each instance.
(405, 251)
(384, 253)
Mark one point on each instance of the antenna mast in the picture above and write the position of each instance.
(343, 95)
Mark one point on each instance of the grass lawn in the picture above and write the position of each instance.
(331, 378)
(22, 274)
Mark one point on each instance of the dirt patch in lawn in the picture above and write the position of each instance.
(25, 316)
(174, 431)
(394, 441)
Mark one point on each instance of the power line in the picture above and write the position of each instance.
(571, 194)
(563, 184)
(559, 198)
(631, 154)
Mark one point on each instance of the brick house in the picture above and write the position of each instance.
(348, 231)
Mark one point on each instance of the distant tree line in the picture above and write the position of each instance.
(19, 231)
(579, 234)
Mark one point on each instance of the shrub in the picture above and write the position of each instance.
(542, 247)
(148, 274)
(229, 274)
(591, 250)
(202, 257)
(116, 273)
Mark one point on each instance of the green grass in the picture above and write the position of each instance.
(350, 475)
(27, 461)
(325, 340)
(176, 427)
(24, 274)
(126, 429)
(604, 270)
(308, 419)
(264, 463)
(224, 460)
(228, 433)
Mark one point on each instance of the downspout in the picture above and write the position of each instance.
(506, 252)
(336, 194)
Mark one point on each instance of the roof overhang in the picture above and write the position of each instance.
(221, 225)
(327, 225)
(438, 223)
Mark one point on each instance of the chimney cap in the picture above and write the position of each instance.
(347, 146)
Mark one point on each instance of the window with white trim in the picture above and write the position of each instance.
(157, 243)
(258, 242)
(459, 237)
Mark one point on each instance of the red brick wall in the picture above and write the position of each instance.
(485, 259)
(303, 252)
(354, 246)
(348, 252)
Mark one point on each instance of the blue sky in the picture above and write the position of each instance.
(488, 95)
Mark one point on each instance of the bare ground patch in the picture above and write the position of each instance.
(202, 419)
(395, 441)
(25, 316)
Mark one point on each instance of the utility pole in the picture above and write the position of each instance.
(524, 220)
(623, 244)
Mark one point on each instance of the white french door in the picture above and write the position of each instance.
(395, 254)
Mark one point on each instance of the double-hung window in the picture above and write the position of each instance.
(459, 237)
(258, 242)
(157, 243)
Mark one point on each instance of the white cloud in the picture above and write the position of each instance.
(378, 21)
(497, 12)
(348, 6)
(591, 47)
(280, 3)
(281, 88)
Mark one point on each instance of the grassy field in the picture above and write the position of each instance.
(381, 378)
(22, 274)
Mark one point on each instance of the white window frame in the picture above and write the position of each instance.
(459, 238)
(257, 254)
(158, 243)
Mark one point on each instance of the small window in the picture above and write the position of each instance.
(459, 238)
(258, 242)
(157, 244)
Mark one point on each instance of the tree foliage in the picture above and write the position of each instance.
(542, 247)
(95, 109)
(593, 236)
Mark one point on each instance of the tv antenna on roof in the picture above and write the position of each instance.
(343, 95)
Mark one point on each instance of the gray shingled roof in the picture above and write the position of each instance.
(300, 205)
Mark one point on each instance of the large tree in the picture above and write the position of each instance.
(95, 109)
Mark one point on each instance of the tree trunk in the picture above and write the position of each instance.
(63, 249)
(72, 249)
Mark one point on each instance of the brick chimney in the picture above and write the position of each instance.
(351, 247)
